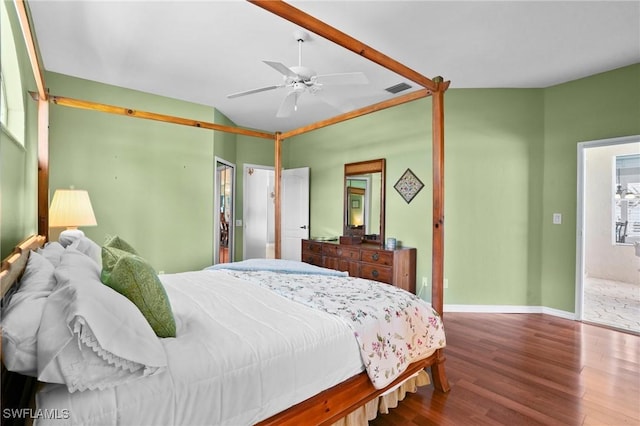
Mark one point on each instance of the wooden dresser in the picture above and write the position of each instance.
(397, 267)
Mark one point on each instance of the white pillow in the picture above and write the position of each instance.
(90, 336)
(88, 247)
(21, 317)
(68, 236)
(52, 252)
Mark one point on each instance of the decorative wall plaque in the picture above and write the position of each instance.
(408, 185)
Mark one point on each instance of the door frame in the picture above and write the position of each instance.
(580, 214)
(216, 209)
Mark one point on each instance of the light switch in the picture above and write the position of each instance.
(238, 222)
(557, 218)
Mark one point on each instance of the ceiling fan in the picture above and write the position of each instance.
(300, 79)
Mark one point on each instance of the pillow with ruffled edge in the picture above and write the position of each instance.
(117, 242)
(92, 337)
(21, 317)
(133, 277)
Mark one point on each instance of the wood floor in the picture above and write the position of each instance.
(529, 369)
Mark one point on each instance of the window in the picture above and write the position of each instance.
(627, 198)
(12, 113)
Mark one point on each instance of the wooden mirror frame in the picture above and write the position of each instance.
(362, 168)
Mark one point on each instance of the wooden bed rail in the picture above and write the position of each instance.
(13, 266)
(335, 403)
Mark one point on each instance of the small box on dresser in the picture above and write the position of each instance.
(396, 267)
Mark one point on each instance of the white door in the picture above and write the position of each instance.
(295, 212)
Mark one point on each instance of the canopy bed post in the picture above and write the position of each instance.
(277, 190)
(437, 266)
(43, 167)
(438, 373)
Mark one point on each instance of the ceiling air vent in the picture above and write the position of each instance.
(398, 88)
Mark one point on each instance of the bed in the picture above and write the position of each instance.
(351, 399)
(252, 339)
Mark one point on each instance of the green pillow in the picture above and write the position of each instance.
(119, 243)
(110, 257)
(134, 278)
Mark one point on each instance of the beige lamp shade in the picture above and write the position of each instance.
(71, 208)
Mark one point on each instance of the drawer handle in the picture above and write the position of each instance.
(375, 273)
(375, 256)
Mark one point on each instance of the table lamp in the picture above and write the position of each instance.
(71, 208)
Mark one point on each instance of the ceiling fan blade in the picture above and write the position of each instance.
(249, 92)
(347, 78)
(288, 105)
(282, 69)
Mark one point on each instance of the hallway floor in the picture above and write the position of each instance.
(612, 303)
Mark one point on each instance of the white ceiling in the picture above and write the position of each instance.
(202, 51)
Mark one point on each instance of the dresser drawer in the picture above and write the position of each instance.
(376, 272)
(330, 250)
(348, 253)
(341, 265)
(379, 257)
(312, 258)
(311, 246)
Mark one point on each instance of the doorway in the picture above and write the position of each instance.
(607, 278)
(224, 208)
(258, 212)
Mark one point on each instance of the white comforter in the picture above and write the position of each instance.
(393, 328)
(242, 353)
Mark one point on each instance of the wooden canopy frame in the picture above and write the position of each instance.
(340, 400)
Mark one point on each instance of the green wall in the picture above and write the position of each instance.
(599, 107)
(18, 163)
(493, 153)
(510, 162)
(149, 182)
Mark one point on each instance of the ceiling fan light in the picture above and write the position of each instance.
(304, 73)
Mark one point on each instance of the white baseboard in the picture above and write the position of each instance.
(510, 309)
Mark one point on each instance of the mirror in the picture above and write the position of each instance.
(364, 200)
(223, 217)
